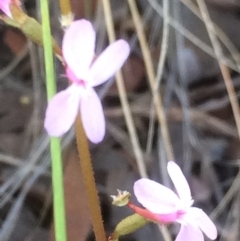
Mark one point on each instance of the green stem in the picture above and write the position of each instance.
(89, 181)
(55, 146)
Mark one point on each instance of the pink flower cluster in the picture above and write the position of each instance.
(84, 73)
(164, 206)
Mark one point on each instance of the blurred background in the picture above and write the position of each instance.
(189, 65)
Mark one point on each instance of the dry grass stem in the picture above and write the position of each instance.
(231, 93)
(191, 37)
(221, 35)
(152, 79)
(123, 96)
(161, 63)
(224, 70)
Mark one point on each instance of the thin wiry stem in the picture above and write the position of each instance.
(66, 13)
(227, 198)
(153, 84)
(161, 62)
(224, 70)
(221, 35)
(65, 7)
(123, 97)
(88, 8)
(152, 79)
(89, 181)
(190, 36)
(229, 86)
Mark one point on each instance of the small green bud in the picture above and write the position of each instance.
(128, 225)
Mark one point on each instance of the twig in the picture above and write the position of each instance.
(89, 181)
(156, 98)
(161, 62)
(229, 87)
(191, 37)
(123, 96)
(65, 7)
(221, 35)
(151, 77)
(88, 8)
(227, 198)
(224, 70)
(66, 13)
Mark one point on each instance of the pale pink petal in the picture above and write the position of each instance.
(189, 233)
(109, 62)
(4, 6)
(180, 183)
(155, 197)
(78, 47)
(93, 117)
(204, 222)
(62, 111)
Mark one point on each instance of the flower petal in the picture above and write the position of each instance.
(155, 197)
(62, 111)
(93, 117)
(204, 222)
(4, 6)
(78, 47)
(189, 233)
(109, 62)
(180, 183)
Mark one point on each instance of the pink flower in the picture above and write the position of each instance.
(164, 206)
(4, 6)
(84, 73)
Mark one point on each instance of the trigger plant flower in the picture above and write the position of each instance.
(164, 206)
(84, 72)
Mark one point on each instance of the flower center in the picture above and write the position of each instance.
(74, 79)
(170, 217)
(82, 83)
